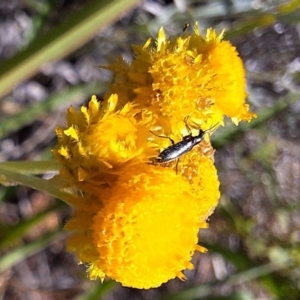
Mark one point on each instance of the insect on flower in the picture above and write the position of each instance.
(178, 149)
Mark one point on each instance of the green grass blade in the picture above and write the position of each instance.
(19, 254)
(55, 101)
(68, 36)
(233, 133)
(98, 290)
(15, 233)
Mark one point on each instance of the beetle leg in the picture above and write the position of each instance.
(176, 167)
(187, 126)
(162, 136)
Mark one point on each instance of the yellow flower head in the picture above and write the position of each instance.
(146, 231)
(99, 140)
(191, 76)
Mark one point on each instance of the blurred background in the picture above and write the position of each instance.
(50, 53)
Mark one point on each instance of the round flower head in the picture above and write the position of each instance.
(100, 140)
(146, 231)
(189, 76)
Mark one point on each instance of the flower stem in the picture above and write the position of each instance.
(51, 186)
(31, 167)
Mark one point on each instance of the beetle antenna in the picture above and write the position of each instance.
(187, 126)
(162, 136)
(212, 128)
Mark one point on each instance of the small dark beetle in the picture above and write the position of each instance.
(177, 149)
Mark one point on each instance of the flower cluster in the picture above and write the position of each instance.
(136, 220)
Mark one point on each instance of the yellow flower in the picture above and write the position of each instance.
(146, 231)
(191, 76)
(98, 141)
(135, 222)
